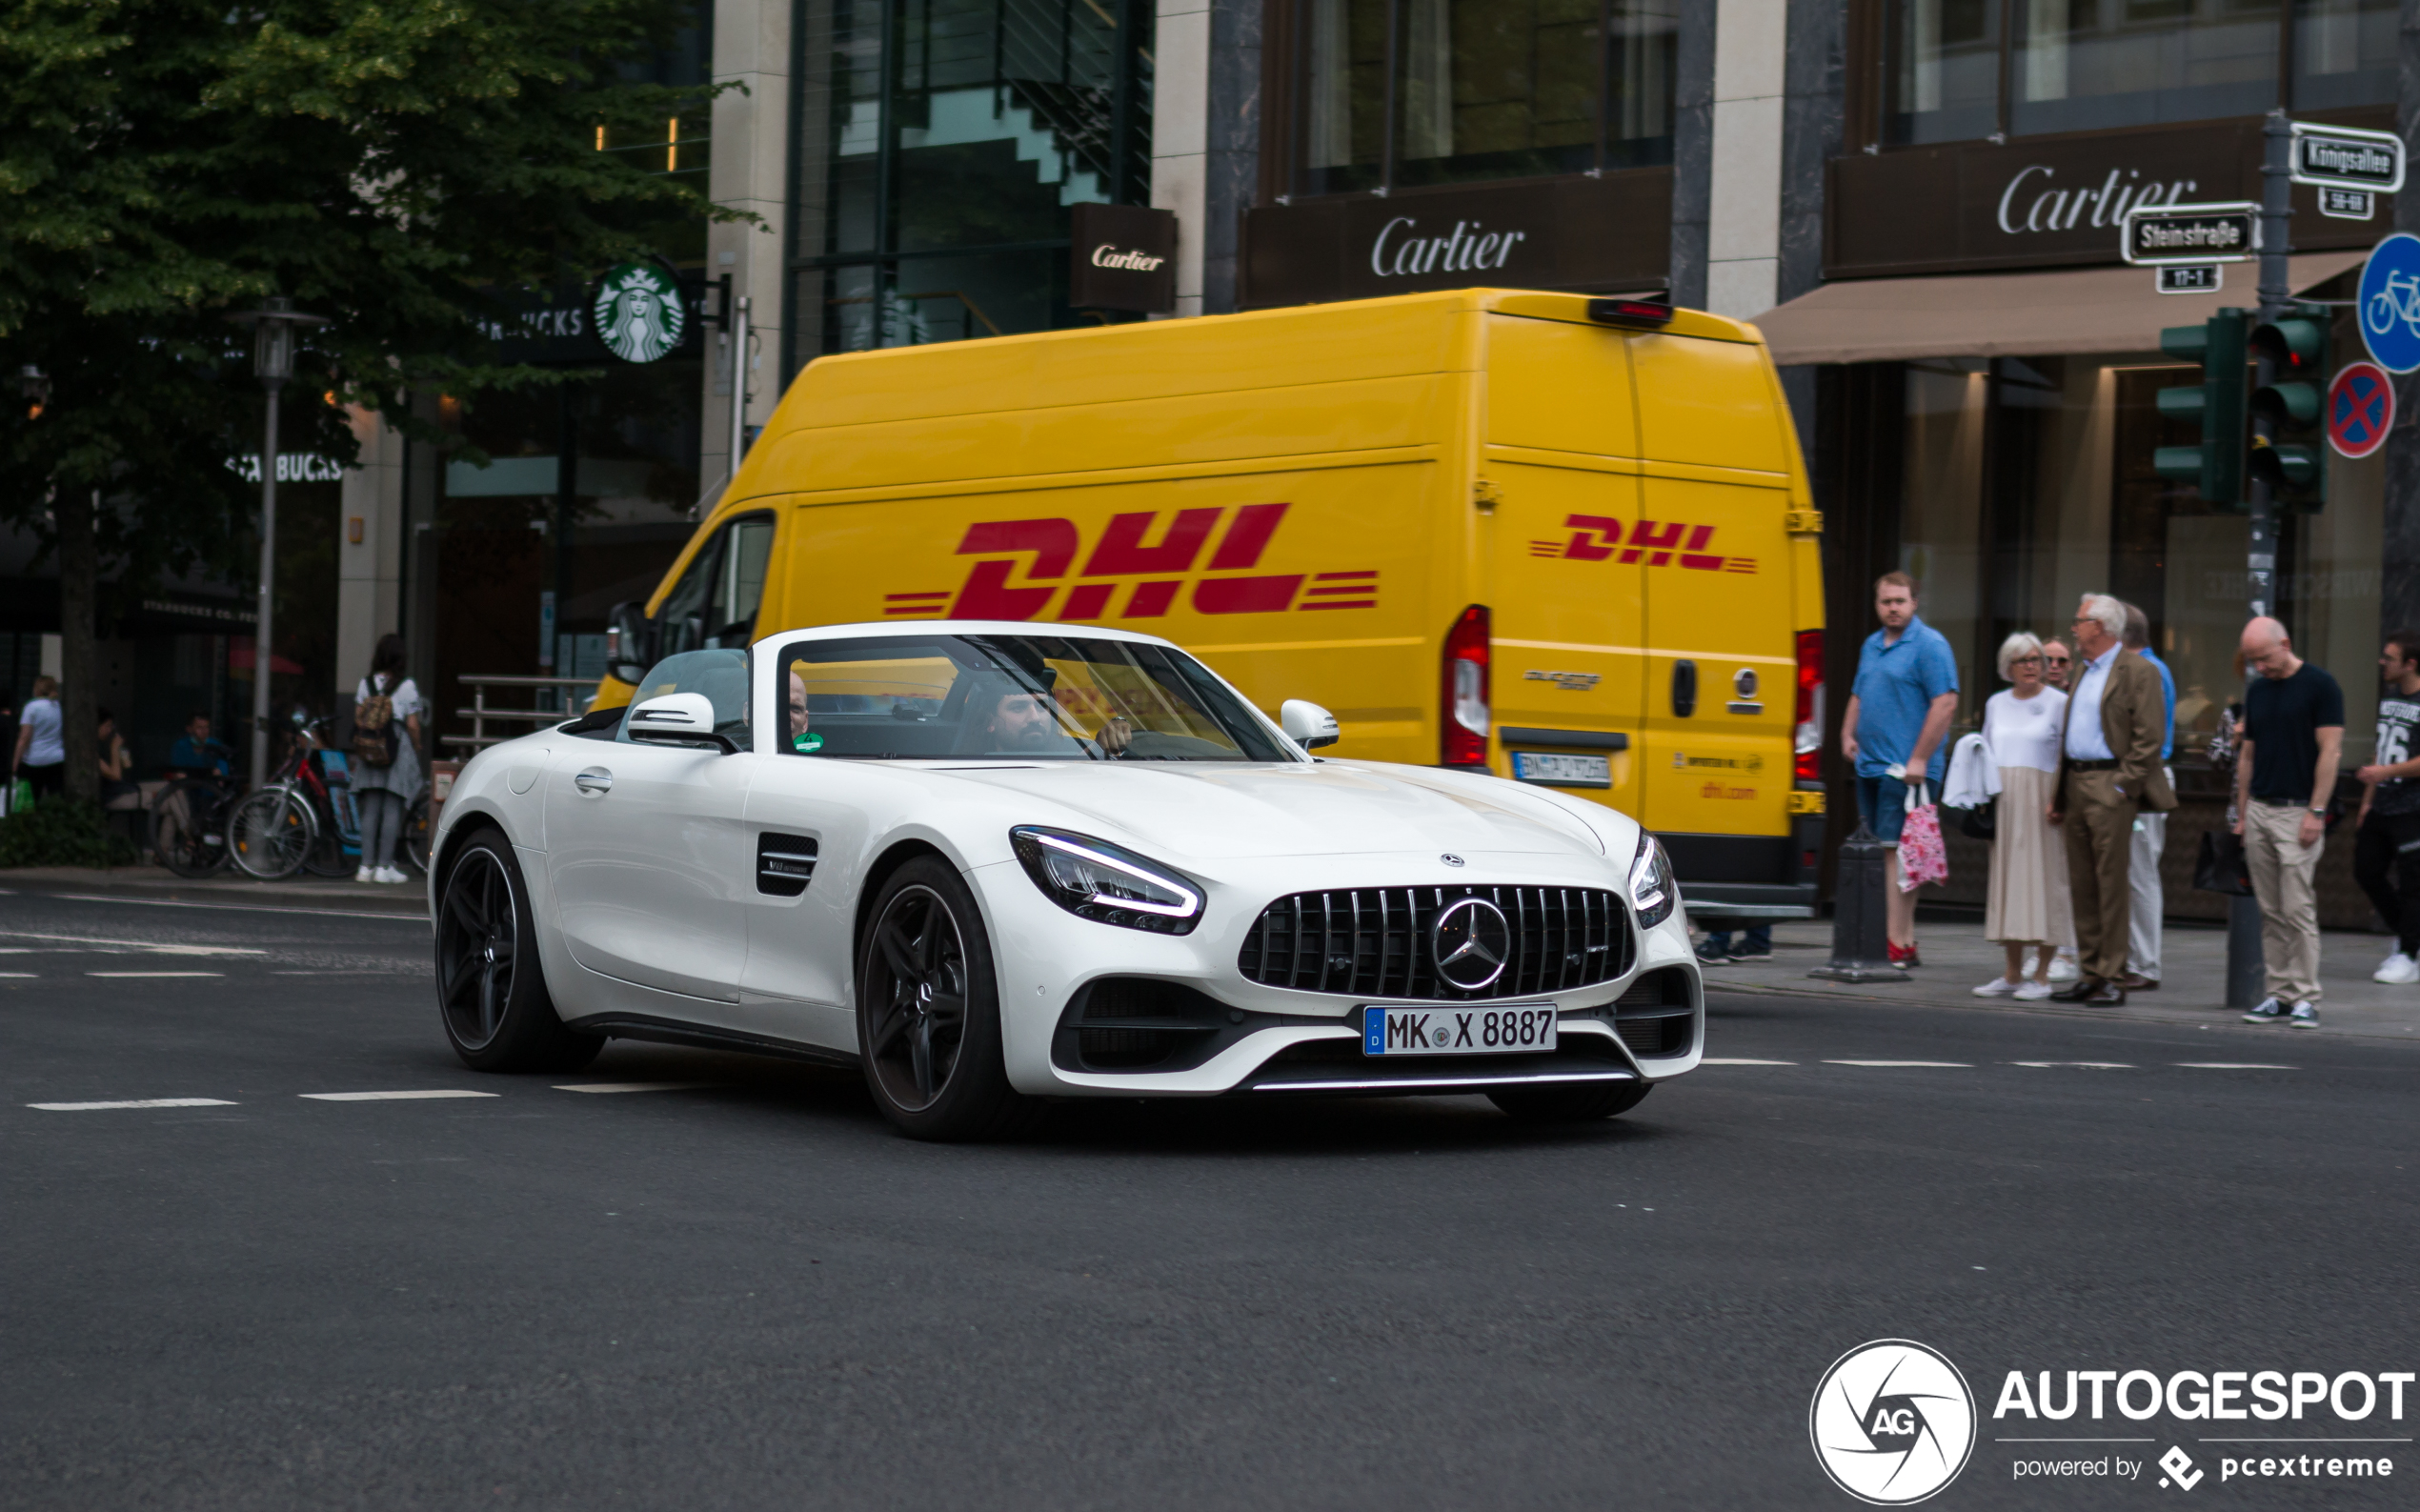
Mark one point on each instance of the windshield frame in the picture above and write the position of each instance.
(1203, 687)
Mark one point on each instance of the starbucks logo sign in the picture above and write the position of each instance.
(639, 313)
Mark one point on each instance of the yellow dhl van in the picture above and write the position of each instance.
(1564, 538)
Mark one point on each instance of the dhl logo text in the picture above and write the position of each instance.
(1596, 537)
(1026, 570)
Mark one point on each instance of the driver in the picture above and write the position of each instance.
(1025, 720)
(801, 739)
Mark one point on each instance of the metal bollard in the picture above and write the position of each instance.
(1861, 927)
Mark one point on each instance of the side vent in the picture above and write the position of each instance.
(785, 864)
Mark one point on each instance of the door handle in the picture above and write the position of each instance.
(595, 780)
(1684, 688)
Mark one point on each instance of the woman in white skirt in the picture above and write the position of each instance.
(2027, 904)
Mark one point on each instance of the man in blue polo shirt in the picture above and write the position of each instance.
(1899, 712)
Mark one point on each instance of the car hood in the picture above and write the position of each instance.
(1328, 808)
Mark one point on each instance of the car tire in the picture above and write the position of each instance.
(1570, 1104)
(492, 994)
(928, 1012)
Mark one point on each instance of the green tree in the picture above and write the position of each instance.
(387, 165)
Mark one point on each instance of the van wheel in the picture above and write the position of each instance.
(1570, 1104)
(491, 991)
(928, 1012)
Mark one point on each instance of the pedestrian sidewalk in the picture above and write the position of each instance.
(2192, 987)
(342, 895)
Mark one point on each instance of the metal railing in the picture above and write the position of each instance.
(566, 691)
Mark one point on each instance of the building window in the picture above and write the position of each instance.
(940, 144)
(1957, 69)
(1398, 93)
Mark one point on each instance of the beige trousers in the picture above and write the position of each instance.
(2282, 869)
(2100, 837)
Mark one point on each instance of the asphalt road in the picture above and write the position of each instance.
(750, 1294)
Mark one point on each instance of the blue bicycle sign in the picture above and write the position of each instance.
(2391, 303)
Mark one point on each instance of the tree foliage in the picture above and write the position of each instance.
(385, 164)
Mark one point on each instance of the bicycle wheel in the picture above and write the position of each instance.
(270, 833)
(416, 835)
(181, 835)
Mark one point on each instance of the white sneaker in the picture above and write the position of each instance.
(2031, 992)
(2397, 970)
(390, 873)
(365, 875)
(1997, 987)
(2063, 968)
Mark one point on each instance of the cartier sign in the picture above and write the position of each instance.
(1603, 234)
(1124, 258)
(2043, 201)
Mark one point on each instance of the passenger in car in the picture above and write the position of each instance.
(801, 738)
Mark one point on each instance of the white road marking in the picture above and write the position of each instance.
(148, 1102)
(421, 920)
(1962, 1065)
(2233, 1065)
(19, 975)
(155, 974)
(2077, 1065)
(1716, 1060)
(154, 946)
(392, 1097)
(638, 1086)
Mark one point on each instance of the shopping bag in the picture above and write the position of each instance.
(1922, 857)
(2221, 867)
(20, 796)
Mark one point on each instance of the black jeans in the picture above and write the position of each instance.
(2385, 861)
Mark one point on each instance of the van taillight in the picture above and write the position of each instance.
(1808, 741)
(1463, 691)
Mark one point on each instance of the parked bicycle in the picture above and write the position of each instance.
(189, 817)
(304, 818)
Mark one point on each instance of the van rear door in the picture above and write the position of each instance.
(1563, 437)
(1711, 540)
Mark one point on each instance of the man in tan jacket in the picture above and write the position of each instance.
(2108, 771)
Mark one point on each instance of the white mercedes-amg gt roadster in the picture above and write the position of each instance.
(991, 864)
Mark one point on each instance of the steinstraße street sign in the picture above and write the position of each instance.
(2361, 409)
(2345, 157)
(2228, 233)
(2389, 303)
(2191, 278)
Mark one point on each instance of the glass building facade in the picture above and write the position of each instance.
(937, 147)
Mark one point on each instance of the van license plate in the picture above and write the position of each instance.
(1563, 771)
(1459, 1030)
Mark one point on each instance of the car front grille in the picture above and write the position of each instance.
(1374, 943)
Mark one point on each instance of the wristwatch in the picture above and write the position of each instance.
(2319, 813)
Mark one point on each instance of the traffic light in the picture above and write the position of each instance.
(2217, 405)
(2291, 458)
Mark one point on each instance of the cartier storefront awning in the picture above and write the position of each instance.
(2007, 314)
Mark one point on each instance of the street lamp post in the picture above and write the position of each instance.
(273, 327)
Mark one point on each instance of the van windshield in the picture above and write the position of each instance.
(1018, 697)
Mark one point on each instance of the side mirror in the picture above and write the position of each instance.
(678, 718)
(1309, 725)
(628, 636)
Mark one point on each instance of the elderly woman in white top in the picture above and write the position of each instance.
(2028, 903)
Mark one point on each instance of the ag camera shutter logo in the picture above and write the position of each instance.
(1892, 1421)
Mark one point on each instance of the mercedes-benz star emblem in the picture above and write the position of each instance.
(1450, 859)
(1472, 943)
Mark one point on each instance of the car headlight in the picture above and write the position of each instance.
(1106, 884)
(1652, 888)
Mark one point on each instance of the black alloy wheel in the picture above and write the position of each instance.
(491, 991)
(928, 1012)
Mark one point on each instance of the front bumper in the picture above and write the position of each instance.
(1259, 1040)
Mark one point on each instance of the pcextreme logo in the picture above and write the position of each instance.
(1131, 574)
(1594, 537)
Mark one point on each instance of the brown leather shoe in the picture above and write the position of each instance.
(2136, 981)
(2103, 994)
(2078, 990)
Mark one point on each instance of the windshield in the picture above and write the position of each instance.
(1021, 697)
(721, 676)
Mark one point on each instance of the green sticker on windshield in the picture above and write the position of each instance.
(809, 742)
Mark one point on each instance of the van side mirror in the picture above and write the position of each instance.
(679, 719)
(1309, 725)
(629, 642)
